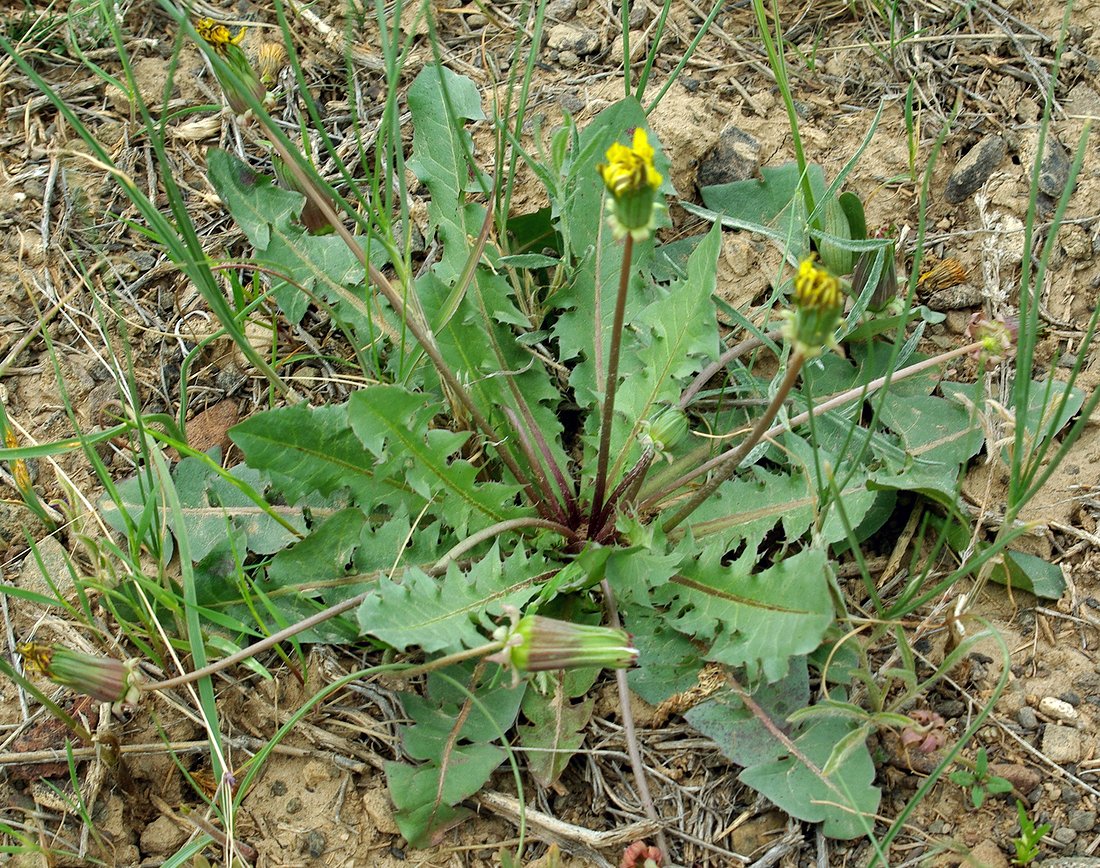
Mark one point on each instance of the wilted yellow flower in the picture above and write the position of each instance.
(218, 35)
(817, 303)
(242, 79)
(632, 180)
(18, 466)
(269, 61)
(102, 678)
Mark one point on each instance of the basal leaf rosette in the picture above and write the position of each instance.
(632, 182)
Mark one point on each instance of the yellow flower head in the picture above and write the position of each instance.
(218, 35)
(629, 170)
(815, 288)
(817, 304)
(632, 182)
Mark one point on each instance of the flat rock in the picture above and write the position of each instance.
(735, 157)
(1062, 744)
(974, 168)
(1057, 709)
(162, 836)
(574, 38)
(986, 855)
(1023, 778)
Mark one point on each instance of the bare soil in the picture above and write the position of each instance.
(70, 261)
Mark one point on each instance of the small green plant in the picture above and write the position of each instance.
(556, 432)
(979, 781)
(1027, 842)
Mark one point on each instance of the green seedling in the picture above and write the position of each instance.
(979, 781)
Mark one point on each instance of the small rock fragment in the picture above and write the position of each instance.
(1082, 821)
(1054, 168)
(735, 157)
(1027, 718)
(1075, 242)
(1020, 776)
(1058, 709)
(561, 10)
(1062, 744)
(974, 169)
(1065, 835)
(986, 854)
(571, 37)
(161, 836)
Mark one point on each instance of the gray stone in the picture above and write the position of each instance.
(571, 103)
(1065, 835)
(1027, 718)
(1062, 744)
(1054, 168)
(1082, 821)
(315, 843)
(974, 169)
(1082, 100)
(574, 38)
(561, 10)
(735, 157)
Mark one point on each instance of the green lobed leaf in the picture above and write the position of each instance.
(322, 264)
(393, 424)
(444, 615)
(311, 449)
(583, 330)
(451, 739)
(845, 802)
(759, 621)
(668, 338)
(440, 101)
(555, 730)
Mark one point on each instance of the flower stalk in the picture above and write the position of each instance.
(632, 182)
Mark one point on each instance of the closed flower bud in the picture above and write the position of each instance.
(102, 678)
(269, 62)
(632, 182)
(817, 303)
(538, 644)
(667, 428)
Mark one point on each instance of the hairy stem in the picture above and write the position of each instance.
(734, 352)
(612, 380)
(438, 568)
(629, 733)
(839, 400)
(627, 488)
(726, 468)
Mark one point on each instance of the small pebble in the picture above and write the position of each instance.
(974, 168)
(315, 843)
(1027, 718)
(1058, 709)
(1082, 821)
(1065, 835)
(294, 805)
(1062, 744)
(1070, 698)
